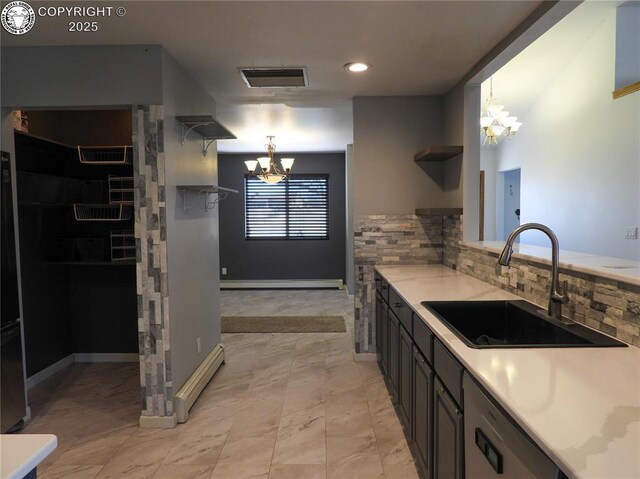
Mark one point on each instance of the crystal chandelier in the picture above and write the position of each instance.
(270, 173)
(496, 123)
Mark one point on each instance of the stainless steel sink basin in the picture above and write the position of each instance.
(513, 324)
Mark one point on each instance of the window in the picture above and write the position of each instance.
(296, 208)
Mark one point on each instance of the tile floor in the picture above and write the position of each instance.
(282, 406)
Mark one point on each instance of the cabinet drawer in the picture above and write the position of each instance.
(449, 370)
(423, 337)
(401, 309)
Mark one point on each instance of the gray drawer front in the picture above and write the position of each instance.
(401, 309)
(423, 337)
(449, 370)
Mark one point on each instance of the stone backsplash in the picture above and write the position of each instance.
(610, 306)
(388, 239)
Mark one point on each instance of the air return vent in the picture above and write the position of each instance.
(279, 77)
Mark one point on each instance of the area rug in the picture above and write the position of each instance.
(283, 324)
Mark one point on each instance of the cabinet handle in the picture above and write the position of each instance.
(445, 395)
(397, 305)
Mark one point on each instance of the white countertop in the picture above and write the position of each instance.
(580, 405)
(618, 269)
(21, 453)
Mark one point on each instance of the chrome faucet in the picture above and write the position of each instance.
(556, 298)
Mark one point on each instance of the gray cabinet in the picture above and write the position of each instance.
(379, 321)
(425, 381)
(405, 388)
(422, 413)
(448, 435)
(394, 345)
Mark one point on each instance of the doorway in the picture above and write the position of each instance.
(511, 201)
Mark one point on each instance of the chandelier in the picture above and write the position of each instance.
(496, 123)
(269, 171)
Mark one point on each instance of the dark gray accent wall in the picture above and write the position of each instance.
(281, 259)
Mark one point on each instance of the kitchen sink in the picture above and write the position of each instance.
(513, 324)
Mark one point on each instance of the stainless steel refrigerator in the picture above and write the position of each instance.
(12, 391)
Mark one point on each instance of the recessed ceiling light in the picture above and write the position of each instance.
(356, 67)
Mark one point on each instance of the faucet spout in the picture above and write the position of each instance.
(556, 297)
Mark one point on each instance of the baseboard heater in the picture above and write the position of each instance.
(282, 284)
(186, 397)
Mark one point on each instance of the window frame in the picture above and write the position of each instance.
(326, 237)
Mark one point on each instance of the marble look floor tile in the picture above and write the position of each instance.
(245, 458)
(353, 458)
(301, 438)
(277, 399)
(173, 471)
(298, 471)
(303, 395)
(69, 471)
(200, 442)
(96, 449)
(128, 471)
(257, 417)
(351, 423)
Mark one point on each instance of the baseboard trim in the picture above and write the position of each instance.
(56, 367)
(159, 422)
(190, 391)
(106, 357)
(365, 357)
(282, 284)
(49, 371)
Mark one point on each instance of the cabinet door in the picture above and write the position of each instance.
(379, 321)
(405, 388)
(394, 344)
(423, 413)
(384, 339)
(448, 430)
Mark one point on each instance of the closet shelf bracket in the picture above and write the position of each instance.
(191, 193)
(207, 127)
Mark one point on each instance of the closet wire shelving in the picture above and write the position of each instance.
(123, 246)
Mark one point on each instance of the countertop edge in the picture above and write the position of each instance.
(44, 444)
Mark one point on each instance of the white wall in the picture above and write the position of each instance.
(192, 237)
(579, 153)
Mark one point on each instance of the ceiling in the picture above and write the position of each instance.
(519, 84)
(414, 47)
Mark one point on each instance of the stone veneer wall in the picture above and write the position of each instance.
(388, 239)
(151, 245)
(610, 306)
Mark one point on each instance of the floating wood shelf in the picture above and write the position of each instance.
(438, 153)
(438, 211)
(207, 127)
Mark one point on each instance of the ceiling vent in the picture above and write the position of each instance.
(280, 77)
